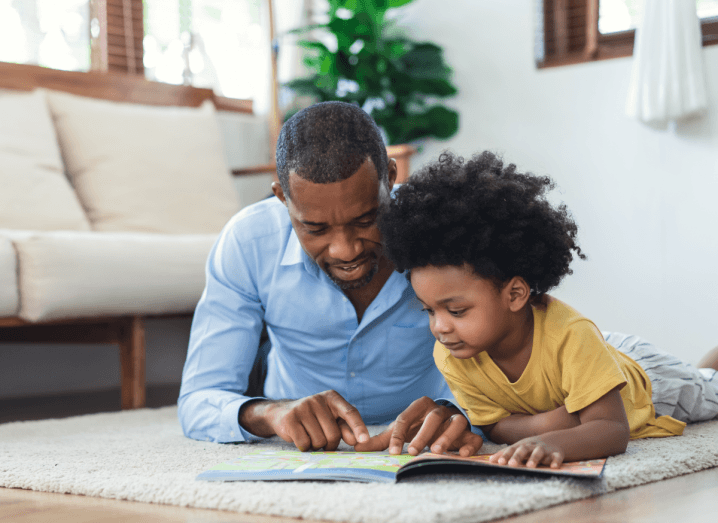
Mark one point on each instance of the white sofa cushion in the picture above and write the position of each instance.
(68, 274)
(145, 168)
(34, 192)
(9, 301)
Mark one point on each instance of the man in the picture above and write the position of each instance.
(349, 342)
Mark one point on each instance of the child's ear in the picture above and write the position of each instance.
(519, 293)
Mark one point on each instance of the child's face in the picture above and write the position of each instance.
(467, 313)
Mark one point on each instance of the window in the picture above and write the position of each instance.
(218, 44)
(575, 31)
(51, 33)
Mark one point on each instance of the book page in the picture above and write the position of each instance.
(588, 468)
(292, 465)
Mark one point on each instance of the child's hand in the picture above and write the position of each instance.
(534, 451)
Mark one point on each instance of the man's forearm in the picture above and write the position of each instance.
(519, 426)
(254, 417)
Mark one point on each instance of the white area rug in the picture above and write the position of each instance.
(142, 456)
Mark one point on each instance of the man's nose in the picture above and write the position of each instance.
(345, 246)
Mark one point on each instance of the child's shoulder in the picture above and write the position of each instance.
(555, 319)
(555, 311)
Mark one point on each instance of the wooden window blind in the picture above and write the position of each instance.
(567, 33)
(117, 31)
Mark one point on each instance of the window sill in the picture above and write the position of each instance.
(114, 86)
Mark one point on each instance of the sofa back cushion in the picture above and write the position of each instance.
(145, 168)
(34, 192)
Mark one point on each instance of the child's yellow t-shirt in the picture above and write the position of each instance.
(570, 364)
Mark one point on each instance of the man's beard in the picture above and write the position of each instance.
(359, 283)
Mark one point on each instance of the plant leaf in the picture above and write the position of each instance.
(425, 61)
(438, 122)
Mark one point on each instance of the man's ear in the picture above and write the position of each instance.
(279, 192)
(518, 293)
(392, 172)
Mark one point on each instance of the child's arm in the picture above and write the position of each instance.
(519, 426)
(603, 431)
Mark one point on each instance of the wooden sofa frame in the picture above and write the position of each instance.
(127, 332)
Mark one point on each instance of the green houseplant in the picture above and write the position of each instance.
(396, 79)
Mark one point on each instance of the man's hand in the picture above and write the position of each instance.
(534, 451)
(314, 422)
(426, 423)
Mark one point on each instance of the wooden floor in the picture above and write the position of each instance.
(691, 498)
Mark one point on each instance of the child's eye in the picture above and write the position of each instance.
(429, 311)
(457, 313)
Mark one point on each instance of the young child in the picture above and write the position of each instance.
(483, 246)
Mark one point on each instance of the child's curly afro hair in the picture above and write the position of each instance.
(479, 213)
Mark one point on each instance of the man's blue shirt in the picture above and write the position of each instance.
(258, 272)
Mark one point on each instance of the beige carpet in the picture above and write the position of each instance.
(143, 456)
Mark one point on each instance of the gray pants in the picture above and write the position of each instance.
(679, 389)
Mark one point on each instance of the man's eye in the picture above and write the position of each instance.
(366, 223)
(316, 232)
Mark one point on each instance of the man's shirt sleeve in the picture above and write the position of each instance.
(223, 344)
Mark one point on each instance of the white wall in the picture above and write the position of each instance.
(644, 200)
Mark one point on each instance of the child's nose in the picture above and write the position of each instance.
(441, 325)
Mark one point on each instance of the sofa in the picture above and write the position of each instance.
(109, 209)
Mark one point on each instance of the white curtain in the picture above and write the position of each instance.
(667, 80)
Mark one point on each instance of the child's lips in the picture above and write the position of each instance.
(452, 346)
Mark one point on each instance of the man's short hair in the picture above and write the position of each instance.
(328, 142)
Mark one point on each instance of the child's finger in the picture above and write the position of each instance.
(519, 456)
(496, 456)
(506, 455)
(457, 425)
(536, 457)
(556, 460)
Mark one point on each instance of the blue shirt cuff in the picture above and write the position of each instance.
(232, 431)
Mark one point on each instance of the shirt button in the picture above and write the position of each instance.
(344, 298)
(352, 374)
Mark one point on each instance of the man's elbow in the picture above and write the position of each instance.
(183, 415)
(194, 424)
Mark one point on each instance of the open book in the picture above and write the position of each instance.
(275, 465)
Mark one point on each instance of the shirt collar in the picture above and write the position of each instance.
(294, 254)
